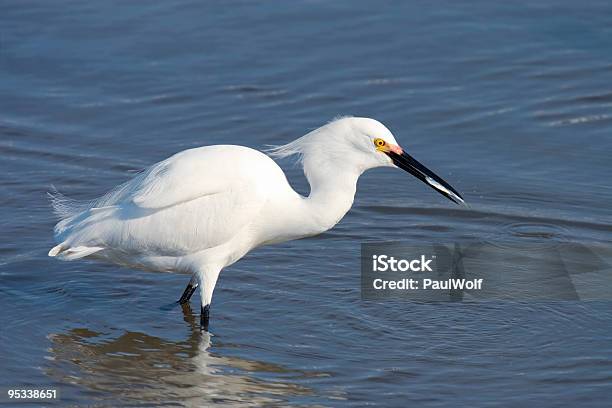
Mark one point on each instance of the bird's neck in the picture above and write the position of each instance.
(332, 191)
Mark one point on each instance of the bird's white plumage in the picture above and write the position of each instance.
(191, 202)
(204, 208)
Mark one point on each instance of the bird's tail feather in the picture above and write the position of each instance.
(65, 209)
(72, 253)
(56, 250)
(68, 210)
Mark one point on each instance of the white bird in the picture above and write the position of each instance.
(203, 209)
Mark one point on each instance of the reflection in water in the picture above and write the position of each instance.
(137, 368)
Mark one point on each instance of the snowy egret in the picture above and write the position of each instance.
(203, 209)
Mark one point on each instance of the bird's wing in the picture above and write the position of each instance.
(183, 177)
(200, 198)
(195, 200)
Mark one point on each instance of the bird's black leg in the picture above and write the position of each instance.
(191, 287)
(204, 318)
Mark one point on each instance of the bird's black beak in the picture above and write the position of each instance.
(405, 162)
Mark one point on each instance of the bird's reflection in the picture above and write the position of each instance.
(136, 367)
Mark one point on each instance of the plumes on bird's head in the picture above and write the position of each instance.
(293, 148)
(319, 140)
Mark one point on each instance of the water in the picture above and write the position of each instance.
(512, 104)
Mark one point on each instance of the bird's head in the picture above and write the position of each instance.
(380, 148)
(359, 144)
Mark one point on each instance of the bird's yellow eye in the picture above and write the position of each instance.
(379, 143)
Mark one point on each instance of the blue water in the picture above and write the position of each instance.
(511, 103)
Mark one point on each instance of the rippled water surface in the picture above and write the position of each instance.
(510, 103)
